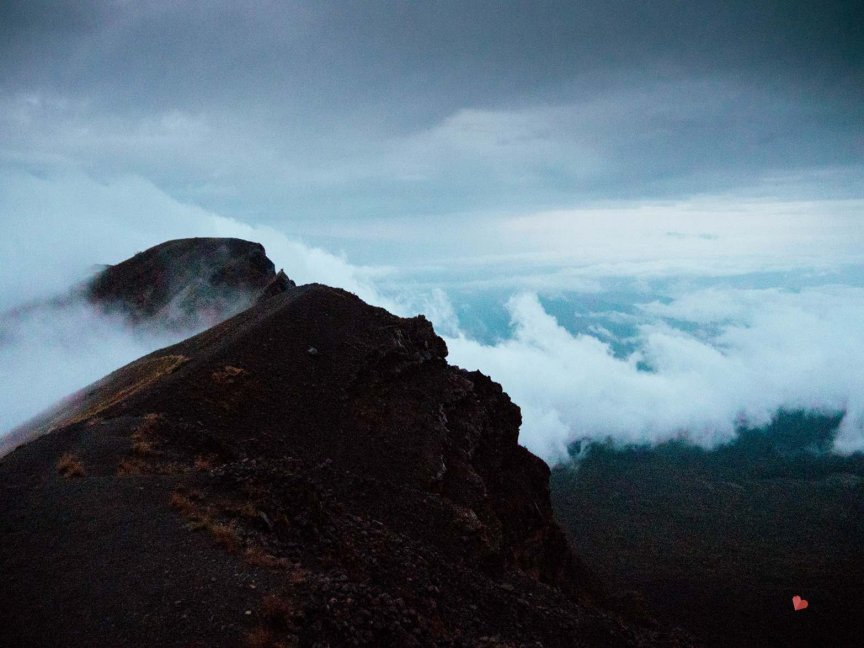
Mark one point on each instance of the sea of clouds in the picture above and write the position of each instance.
(703, 365)
(699, 359)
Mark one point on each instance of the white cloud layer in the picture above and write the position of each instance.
(709, 236)
(49, 353)
(56, 228)
(717, 356)
(757, 351)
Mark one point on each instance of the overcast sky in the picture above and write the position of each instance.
(539, 146)
(400, 113)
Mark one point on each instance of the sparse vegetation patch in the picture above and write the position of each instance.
(69, 465)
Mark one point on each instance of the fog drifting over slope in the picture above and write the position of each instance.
(50, 350)
(701, 360)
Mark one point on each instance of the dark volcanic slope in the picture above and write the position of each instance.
(185, 283)
(310, 472)
(721, 541)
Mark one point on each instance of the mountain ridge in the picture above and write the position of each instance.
(317, 459)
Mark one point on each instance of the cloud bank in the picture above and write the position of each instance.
(743, 355)
(699, 360)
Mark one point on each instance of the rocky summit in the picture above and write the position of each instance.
(187, 283)
(310, 472)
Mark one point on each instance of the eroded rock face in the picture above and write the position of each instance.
(279, 284)
(378, 399)
(186, 283)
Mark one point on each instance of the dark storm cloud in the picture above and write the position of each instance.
(329, 101)
(457, 52)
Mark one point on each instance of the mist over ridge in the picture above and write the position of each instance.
(624, 358)
(644, 219)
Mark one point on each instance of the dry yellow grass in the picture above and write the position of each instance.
(132, 466)
(147, 426)
(227, 375)
(144, 448)
(143, 443)
(182, 503)
(225, 535)
(204, 514)
(69, 465)
(126, 381)
(259, 558)
(242, 509)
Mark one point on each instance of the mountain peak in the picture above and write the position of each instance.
(185, 283)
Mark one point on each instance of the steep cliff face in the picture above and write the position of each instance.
(309, 472)
(186, 283)
(322, 376)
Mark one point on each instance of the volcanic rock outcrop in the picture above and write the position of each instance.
(175, 288)
(310, 472)
(187, 283)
